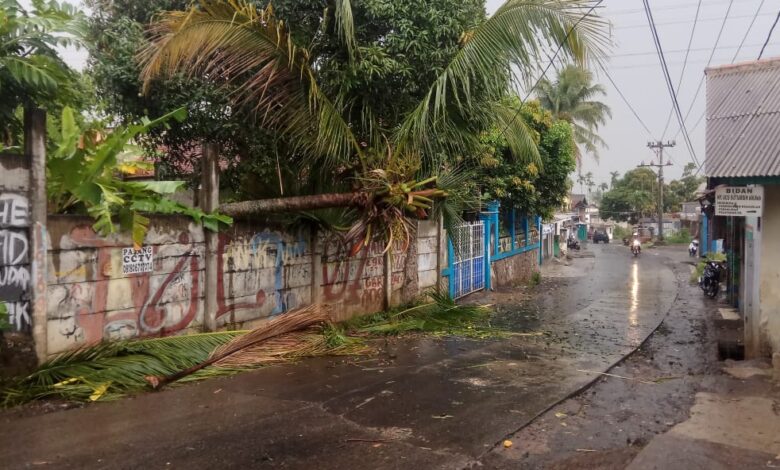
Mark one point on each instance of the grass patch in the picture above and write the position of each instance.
(683, 237)
(536, 279)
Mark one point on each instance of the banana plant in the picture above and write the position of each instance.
(83, 176)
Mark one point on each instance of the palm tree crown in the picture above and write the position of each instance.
(570, 98)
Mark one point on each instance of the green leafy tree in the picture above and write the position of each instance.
(571, 97)
(374, 48)
(530, 188)
(631, 197)
(31, 71)
(273, 77)
(682, 190)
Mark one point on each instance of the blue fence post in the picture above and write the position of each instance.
(490, 219)
(512, 229)
(451, 264)
(539, 232)
(705, 235)
(525, 230)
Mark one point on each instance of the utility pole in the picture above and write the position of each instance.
(660, 165)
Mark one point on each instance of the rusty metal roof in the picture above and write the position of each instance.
(743, 119)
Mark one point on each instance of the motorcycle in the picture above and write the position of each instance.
(636, 248)
(709, 281)
(693, 248)
(573, 244)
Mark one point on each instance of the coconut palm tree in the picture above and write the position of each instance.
(571, 97)
(233, 42)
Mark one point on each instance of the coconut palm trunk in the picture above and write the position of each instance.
(294, 204)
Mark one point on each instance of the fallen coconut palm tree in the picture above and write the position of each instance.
(111, 370)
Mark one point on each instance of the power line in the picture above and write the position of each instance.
(709, 61)
(685, 64)
(701, 20)
(669, 84)
(662, 8)
(750, 27)
(769, 36)
(676, 51)
(625, 100)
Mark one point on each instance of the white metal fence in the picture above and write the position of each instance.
(468, 269)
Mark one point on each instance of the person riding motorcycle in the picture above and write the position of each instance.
(693, 247)
(636, 245)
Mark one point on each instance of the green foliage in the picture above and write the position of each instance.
(619, 233)
(31, 71)
(536, 279)
(681, 237)
(112, 370)
(636, 194)
(442, 316)
(532, 188)
(631, 197)
(83, 177)
(4, 323)
(682, 190)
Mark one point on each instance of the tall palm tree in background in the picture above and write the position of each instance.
(398, 166)
(571, 97)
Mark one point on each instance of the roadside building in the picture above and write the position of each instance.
(742, 203)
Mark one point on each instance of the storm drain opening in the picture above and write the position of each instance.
(733, 350)
(730, 335)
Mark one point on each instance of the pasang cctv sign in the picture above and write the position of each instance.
(739, 201)
(137, 261)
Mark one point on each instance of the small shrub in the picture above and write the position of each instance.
(536, 279)
(619, 233)
(681, 237)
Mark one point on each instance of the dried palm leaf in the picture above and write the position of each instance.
(291, 321)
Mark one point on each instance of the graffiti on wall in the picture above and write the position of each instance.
(255, 273)
(92, 299)
(358, 281)
(14, 259)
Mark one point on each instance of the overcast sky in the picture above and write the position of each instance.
(635, 68)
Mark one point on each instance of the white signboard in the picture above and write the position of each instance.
(137, 261)
(547, 229)
(739, 201)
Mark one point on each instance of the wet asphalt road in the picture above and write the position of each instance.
(430, 403)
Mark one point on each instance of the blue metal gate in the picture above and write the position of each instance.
(468, 259)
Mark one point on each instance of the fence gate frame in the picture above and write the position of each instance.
(468, 259)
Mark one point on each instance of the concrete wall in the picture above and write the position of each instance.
(261, 271)
(769, 283)
(515, 270)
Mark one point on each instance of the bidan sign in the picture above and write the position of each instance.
(739, 201)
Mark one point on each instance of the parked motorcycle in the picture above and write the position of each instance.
(709, 282)
(573, 244)
(636, 248)
(693, 248)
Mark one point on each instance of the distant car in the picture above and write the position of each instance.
(600, 236)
